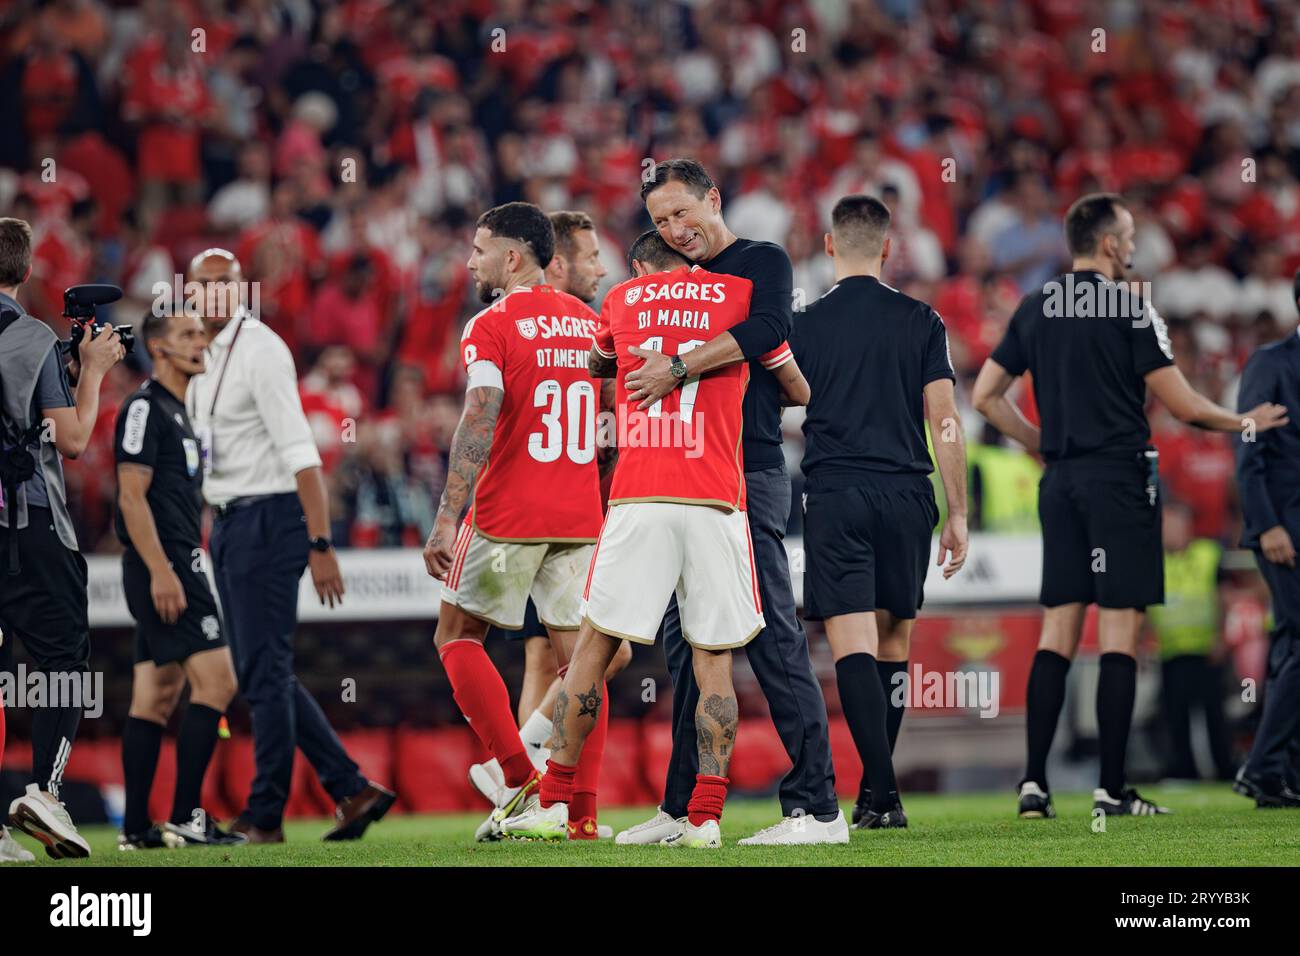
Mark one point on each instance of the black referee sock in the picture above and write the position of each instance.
(141, 741)
(893, 688)
(1043, 700)
(1116, 691)
(194, 743)
(863, 703)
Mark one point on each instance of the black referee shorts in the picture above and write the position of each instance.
(1101, 535)
(533, 626)
(199, 627)
(867, 547)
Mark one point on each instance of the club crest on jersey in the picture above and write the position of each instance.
(633, 295)
(527, 328)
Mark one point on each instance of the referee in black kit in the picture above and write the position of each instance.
(1268, 479)
(1094, 346)
(178, 634)
(878, 365)
(686, 208)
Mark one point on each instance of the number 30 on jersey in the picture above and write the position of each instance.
(568, 422)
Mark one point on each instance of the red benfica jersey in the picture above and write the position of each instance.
(685, 447)
(541, 481)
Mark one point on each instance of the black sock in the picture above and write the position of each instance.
(194, 743)
(141, 741)
(1116, 690)
(53, 731)
(863, 703)
(1043, 701)
(893, 687)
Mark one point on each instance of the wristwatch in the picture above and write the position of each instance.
(678, 368)
(320, 544)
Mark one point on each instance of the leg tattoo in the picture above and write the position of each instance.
(589, 703)
(715, 724)
(559, 739)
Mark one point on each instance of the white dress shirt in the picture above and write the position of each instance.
(257, 438)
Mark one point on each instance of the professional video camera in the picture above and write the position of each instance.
(79, 303)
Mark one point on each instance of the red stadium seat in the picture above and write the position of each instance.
(622, 770)
(164, 782)
(236, 769)
(844, 754)
(656, 751)
(759, 760)
(97, 762)
(307, 798)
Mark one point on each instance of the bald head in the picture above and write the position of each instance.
(220, 277)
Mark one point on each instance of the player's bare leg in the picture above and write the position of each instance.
(855, 641)
(1057, 642)
(483, 698)
(540, 668)
(579, 721)
(1118, 630)
(155, 692)
(717, 718)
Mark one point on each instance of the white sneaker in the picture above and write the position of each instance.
(11, 851)
(47, 820)
(802, 829)
(488, 780)
(604, 831)
(707, 836)
(535, 822)
(655, 830)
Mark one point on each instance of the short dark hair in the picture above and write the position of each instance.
(688, 171)
(567, 223)
(155, 325)
(650, 248)
(15, 251)
(523, 222)
(860, 223)
(1088, 219)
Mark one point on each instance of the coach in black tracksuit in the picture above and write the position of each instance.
(876, 361)
(1268, 477)
(684, 203)
(1094, 347)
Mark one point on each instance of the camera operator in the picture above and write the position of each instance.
(43, 600)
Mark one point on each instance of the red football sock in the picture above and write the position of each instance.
(482, 697)
(707, 799)
(557, 784)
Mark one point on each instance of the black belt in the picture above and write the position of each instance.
(234, 504)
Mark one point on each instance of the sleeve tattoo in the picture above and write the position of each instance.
(470, 447)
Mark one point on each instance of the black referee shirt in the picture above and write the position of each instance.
(1089, 343)
(767, 266)
(154, 430)
(868, 351)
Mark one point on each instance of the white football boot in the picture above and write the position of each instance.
(490, 829)
(488, 780)
(799, 830)
(707, 836)
(47, 820)
(11, 851)
(535, 822)
(655, 830)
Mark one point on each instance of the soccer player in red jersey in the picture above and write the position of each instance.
(575, 268)
(523, 461)
(676, 523)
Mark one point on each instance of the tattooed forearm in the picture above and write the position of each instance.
(716, 718)
(469, 448)
(601, 367)
(589, 703)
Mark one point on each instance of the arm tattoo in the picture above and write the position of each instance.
(716, 719)
(470, 447)
(601, 367)
(589, 703)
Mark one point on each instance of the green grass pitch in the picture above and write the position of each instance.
(1211, 826)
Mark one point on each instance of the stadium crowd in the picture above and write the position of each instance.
(343, 149)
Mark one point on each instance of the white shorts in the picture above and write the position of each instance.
(649, 549)
(493, 580)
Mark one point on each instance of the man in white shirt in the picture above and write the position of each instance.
(262, 477)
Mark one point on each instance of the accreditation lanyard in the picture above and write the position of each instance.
(204, 432)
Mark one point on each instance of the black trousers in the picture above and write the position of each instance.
(779, 659)
(45, 607)
(1275, 755)
(1191, 682)
(259, 553)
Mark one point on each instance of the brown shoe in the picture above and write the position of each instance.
(356, 813)
(257, 834)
